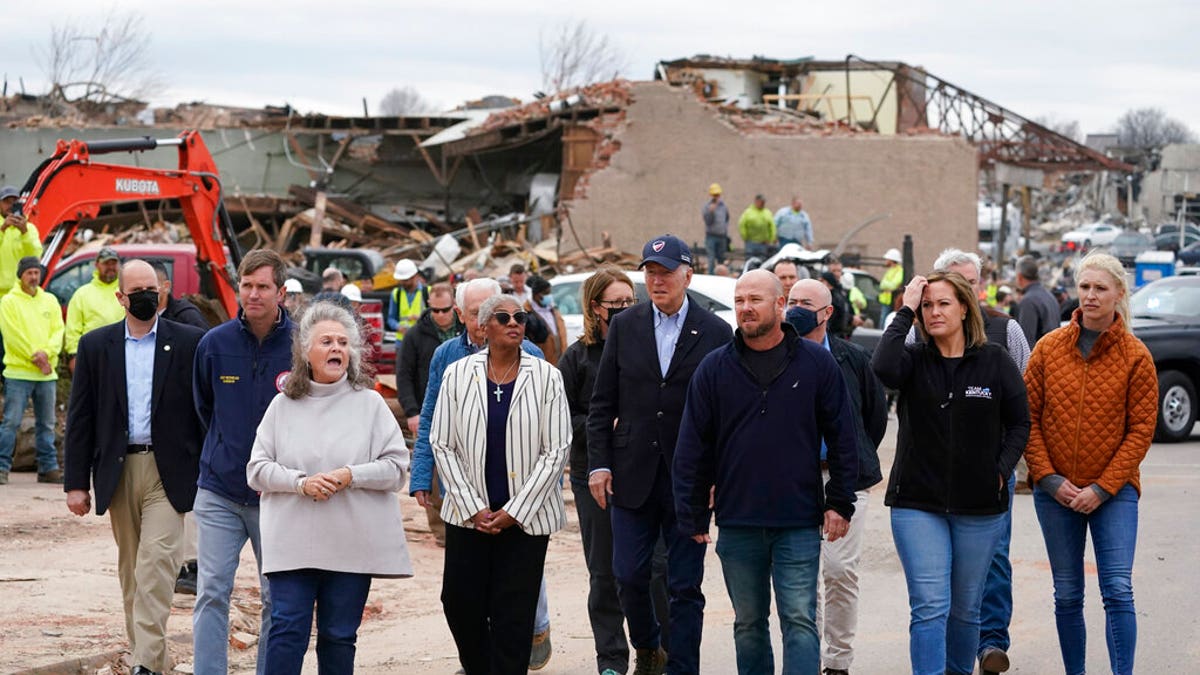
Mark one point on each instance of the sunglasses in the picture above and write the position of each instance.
(441, 310)
(504, 317)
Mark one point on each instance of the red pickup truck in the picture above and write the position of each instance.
(180, 261)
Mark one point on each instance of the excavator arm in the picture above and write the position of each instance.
(70, 187)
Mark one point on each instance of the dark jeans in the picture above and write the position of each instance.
(339, 598)
(635, 533)
(604, 607)
(490, 588)
(717, 245)
(995, 612)
(1114, 538)
(758, 249)
(752, 558)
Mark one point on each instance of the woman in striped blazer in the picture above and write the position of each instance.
(500, 434)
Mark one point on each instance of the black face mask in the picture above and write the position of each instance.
(613, 311)
(803, 319)
(143, 304)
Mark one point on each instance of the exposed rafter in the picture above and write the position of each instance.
(927, 101)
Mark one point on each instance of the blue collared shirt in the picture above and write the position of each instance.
(825, 448)
(794, 225)
(139, 382)
(666, 333)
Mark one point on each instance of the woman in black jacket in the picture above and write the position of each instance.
(964, 420)
(605, 293)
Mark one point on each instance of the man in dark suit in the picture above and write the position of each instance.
(132, 432)
(648, 360)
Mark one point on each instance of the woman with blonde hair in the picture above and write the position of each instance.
(963, 425)
(1093, 403)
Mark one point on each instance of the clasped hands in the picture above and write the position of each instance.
(492, 522)
(1079, 499)
(324, 485)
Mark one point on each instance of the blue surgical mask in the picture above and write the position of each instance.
(548, 301)
(803, 319)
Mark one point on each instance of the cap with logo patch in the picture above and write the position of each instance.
(668, 251)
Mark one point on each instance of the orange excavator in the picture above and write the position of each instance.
(70, 187)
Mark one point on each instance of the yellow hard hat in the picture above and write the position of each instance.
(714, 189)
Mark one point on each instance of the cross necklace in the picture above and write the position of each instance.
(500, 392)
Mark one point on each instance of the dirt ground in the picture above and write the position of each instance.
(59, 597)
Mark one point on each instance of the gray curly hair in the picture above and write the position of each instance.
(488, 308)
(299, 382)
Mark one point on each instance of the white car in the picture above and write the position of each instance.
(709, 291)
(1095, 234)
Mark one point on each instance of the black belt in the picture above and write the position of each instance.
(138, 448)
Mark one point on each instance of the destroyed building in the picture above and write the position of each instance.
(883, 143)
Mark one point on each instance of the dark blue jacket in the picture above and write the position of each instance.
(759, 443)
(234, 381)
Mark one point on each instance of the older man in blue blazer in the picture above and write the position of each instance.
(648, 360)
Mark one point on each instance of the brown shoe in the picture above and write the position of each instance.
(54, 476)
(993, 661)
(650, 662)
(3, 478)
(540, 652)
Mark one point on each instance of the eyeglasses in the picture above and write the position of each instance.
(616, 304)
(441, 310)
(504, 317)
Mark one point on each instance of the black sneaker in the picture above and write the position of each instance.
(186, 583)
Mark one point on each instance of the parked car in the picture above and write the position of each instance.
(712, 292)
(1166, 317)
(1190, 255)
(1169, 241)
(1129, 245)
(1095, 234)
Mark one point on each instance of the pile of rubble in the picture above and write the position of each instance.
(614, 94)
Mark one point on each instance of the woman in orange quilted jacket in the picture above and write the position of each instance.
(1093, 395)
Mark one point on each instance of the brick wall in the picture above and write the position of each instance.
(672, 146)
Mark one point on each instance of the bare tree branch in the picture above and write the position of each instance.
(1151, 128)
(572, 55)
(403, 101)
(101, 64)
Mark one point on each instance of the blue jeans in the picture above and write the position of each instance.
(222, 528)
(1114, 538)
(751, 559)
(995, 612)
(758, 249)
(945, 559)
(16, 394)
(339, 598)
(716, 245)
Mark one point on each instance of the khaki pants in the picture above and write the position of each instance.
(433, 512)
(148, 532)
(837, 589)
(189, 539)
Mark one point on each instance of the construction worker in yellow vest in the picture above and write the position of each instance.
(893, 279)
(407, 300)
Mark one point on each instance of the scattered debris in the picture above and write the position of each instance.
(242, 640)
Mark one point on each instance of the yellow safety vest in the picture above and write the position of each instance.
(410, 310)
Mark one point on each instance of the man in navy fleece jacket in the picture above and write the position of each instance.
(757, 411)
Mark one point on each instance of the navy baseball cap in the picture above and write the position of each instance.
(668, 251)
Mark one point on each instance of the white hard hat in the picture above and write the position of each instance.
(292, 286)
(352, 293)
(847, 280)
(893, 254)
(405, 270)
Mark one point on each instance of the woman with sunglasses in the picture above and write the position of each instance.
(500, 433)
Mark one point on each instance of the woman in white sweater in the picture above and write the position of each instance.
(329, 458)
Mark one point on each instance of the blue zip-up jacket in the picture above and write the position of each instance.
(759, 443)
(421, 478)
(234, 380)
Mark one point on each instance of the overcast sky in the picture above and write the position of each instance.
(1085, 61)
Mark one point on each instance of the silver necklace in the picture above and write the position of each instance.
(500, 392)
